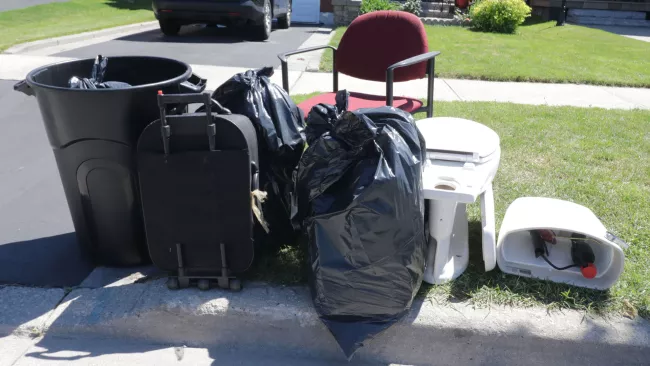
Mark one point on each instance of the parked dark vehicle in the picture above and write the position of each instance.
(172, 14)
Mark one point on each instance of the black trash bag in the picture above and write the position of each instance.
(96, 80)
(280, 129)
(360, 204)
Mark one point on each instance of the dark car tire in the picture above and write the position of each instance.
(169, 28)
(263, 30)
(284, 22)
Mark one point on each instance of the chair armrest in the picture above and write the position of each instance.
(414, 60)
(285, 68)
(283, 56)
(430, 58)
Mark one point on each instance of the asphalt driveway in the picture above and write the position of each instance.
(203, 46)
(38, 245)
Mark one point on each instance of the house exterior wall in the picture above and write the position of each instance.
(326, 6)
(345, 11)
(549, 9)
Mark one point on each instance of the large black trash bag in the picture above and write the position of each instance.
(361, 208)
(280, 129)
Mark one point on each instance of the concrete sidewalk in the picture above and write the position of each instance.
(132, 320)
(15, 67)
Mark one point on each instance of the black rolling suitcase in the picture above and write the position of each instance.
(197, 172)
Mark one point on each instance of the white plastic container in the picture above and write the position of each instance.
(515, 248)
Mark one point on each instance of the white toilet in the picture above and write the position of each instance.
(462, 160)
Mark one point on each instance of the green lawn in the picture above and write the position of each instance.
(595, 157)
(74, 16)
(538, 52)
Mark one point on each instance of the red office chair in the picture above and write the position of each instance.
(388, 46)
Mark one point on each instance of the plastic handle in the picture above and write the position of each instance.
(24, 88)
(165, 99)
(165, 130)
(195, 84)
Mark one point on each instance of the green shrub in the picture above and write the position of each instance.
(499, 16)
(413, 7)
(368, 6)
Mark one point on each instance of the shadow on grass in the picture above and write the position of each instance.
(533, 20)
(284, 265)
(496, 287)
(622, 30)
(476, 30)
(130, 4)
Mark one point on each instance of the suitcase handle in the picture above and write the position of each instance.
(185, 99)
(164, 99)
(203, 98)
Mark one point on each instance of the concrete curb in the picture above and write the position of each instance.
(24, 311)
(109, 32)
(281, 320)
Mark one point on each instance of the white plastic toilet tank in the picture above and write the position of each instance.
(515, 248)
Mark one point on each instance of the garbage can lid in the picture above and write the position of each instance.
(458, 139)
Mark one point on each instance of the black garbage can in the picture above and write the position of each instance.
(93, 134)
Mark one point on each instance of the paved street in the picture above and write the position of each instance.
(203, 45)
(37, 241)
(19, 4)
(64, 351)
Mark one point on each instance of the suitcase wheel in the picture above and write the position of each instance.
(184, 282)
(235, 284)
(203, 284)
(172, 283)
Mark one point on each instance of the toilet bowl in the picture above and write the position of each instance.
(462, 159)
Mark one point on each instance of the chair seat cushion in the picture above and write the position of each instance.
(360, 100)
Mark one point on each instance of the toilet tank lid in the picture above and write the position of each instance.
(458, 135)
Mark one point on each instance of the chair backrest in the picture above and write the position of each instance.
(379, 39)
